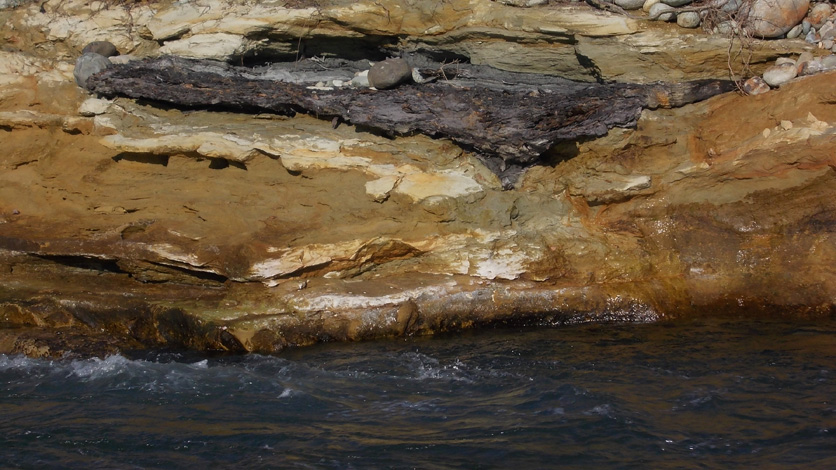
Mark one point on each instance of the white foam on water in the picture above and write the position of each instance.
(96, 368)
(425, 367)
(204, 364)
(18, 363)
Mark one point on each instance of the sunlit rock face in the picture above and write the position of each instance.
(126, 224)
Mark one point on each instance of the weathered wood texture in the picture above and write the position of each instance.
(512, 121)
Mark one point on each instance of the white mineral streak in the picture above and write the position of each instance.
(380, 188)
(294, 259)
(489, 255)
(348, 301)
(172, 253)
(449, 183)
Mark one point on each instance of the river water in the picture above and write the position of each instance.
(712, 393)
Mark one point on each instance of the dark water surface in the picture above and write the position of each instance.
(708, 394)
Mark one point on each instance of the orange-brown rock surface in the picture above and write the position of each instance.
(124, 224)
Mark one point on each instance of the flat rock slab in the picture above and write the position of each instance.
(509, 118)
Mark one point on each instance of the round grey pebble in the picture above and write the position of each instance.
(827, 31)
(389, 73)
(795, 32)
(629, 4)
(88, 65)
(105, 48)
(688, 19)
(677, 3)
(664, 12)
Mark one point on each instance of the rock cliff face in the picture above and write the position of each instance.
(124, 224)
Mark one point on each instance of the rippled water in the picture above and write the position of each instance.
(707, 394)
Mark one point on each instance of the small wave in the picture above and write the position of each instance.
(96, 368)
(424, 367)
(19, 363)
(204, 364)
(601, 410)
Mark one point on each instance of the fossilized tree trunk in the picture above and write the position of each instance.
(509, 118)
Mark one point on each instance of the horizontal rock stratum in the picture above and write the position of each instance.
(124, 224)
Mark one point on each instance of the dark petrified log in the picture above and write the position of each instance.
(510, 118)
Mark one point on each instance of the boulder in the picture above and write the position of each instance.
(648, 4)
(774, 18)
(688, 19)
(662, 12)
(389, 73)
(755, 86)
(779, 74)
(105, 48)
(88, 65)
(630, 4)
(819, 14)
